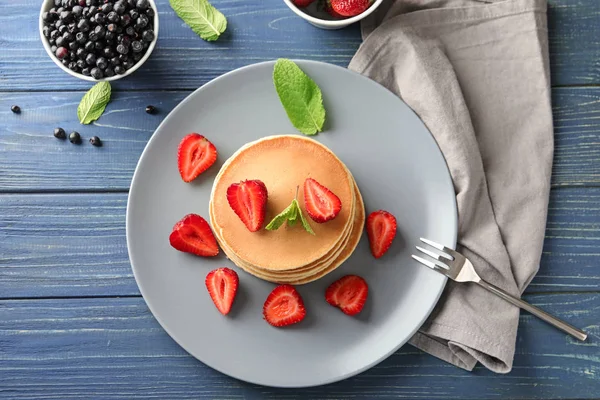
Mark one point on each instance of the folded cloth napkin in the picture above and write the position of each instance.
(477, 74)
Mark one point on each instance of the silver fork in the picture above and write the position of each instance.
(456, 267)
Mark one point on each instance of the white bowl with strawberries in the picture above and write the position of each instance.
(332, 14)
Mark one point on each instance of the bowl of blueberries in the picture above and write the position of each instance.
(99, 40)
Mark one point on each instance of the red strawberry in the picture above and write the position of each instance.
(302, 3)
(284, 306)
(194, 156)
(349, 293)
(381, 229)
(248, 199)
(222, 286)
(331, 11)
(193, 235)
(349, 8)
(320, 203)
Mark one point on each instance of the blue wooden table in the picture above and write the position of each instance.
(72, 322)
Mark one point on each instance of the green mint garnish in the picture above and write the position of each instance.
(93, 103)
(300, 96)
(202, 17)
(290, 214)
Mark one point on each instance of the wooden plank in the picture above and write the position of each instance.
(114, 349)
(258, 31)
(74, 245)
(31, 159)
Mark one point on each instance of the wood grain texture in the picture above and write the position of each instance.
(31, 159)
(258, 31)
(74, 245)
(114, 349)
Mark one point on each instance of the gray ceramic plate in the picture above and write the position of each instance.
(397, 166)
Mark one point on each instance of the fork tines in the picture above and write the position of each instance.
(439, 264)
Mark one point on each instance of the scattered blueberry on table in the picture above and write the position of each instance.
(99, 38)
(15, 109)
(75, 137)
(95, 141)
(59, 133)
(151, 109)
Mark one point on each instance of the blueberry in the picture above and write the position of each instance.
(141, 4)
(81, 37)
(150, 12)
(122, 49)
(72, 28)
(148, 35)
(108, 52)
(128, 63)
(124, 40)
(130, 31)
(95, 141)
(98, 46)
(113, 17)
(72, 56)
(137, 46)
(57, 3)
(58, 24)
(151, 109)
(123, 57)
(60, 41)
(100, 18)
(119, 70)
(83, 25)
(108, 72)
(112, 28)
(137, 56)
(61, 53)
(115, 61)
(65, 62)
(81, 3)
(80, 53)
(65, 3)
(92, 11)
(131, 3)
(102, 63)
(91, 3)
(72, 66)
(81, 64)
(85, 71)
(59, 133)
(66, 16)
(53, 48)
(54, 34)
(120, 7)
(89, 46)
(134, 14)
(100, 31)
(97, 73)
(109, 36)
(125, 20)
(48, 17)
(75, 137)
(73, 46)
(15, 109)
(90, 59)
(141, 22)
(62, 29)
(46, 31)
(106, 8)
(68, 36)
(77, 11)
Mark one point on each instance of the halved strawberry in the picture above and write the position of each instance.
(349, 293)
(222, 284)
(302, 3)
(284, 306)
(350, 8)
(320, 203)
(194, 156)
(193, 235)
(248, 199)
(381, 229)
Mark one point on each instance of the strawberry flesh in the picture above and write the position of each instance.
(381, 229)
(320, 203)
(248, 199)
(194, 156)
(222, 285)
(193, 235)
(348, 293)
(349, 8)
(284, 306)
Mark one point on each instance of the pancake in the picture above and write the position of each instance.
(283, 163)
(343, 255)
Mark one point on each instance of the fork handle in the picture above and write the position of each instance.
(560, 324)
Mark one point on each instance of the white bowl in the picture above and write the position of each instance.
(321, 19)
(48, 4)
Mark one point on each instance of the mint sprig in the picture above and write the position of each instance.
(300, 96)
(93, 103)
(208, 22)
(291, 215)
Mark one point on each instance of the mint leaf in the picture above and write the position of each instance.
(300, 96)
(93, 103)
(201, 16)
(290, 214)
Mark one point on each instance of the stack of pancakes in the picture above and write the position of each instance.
(289, 254)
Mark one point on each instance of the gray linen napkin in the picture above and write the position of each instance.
(477, 74)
